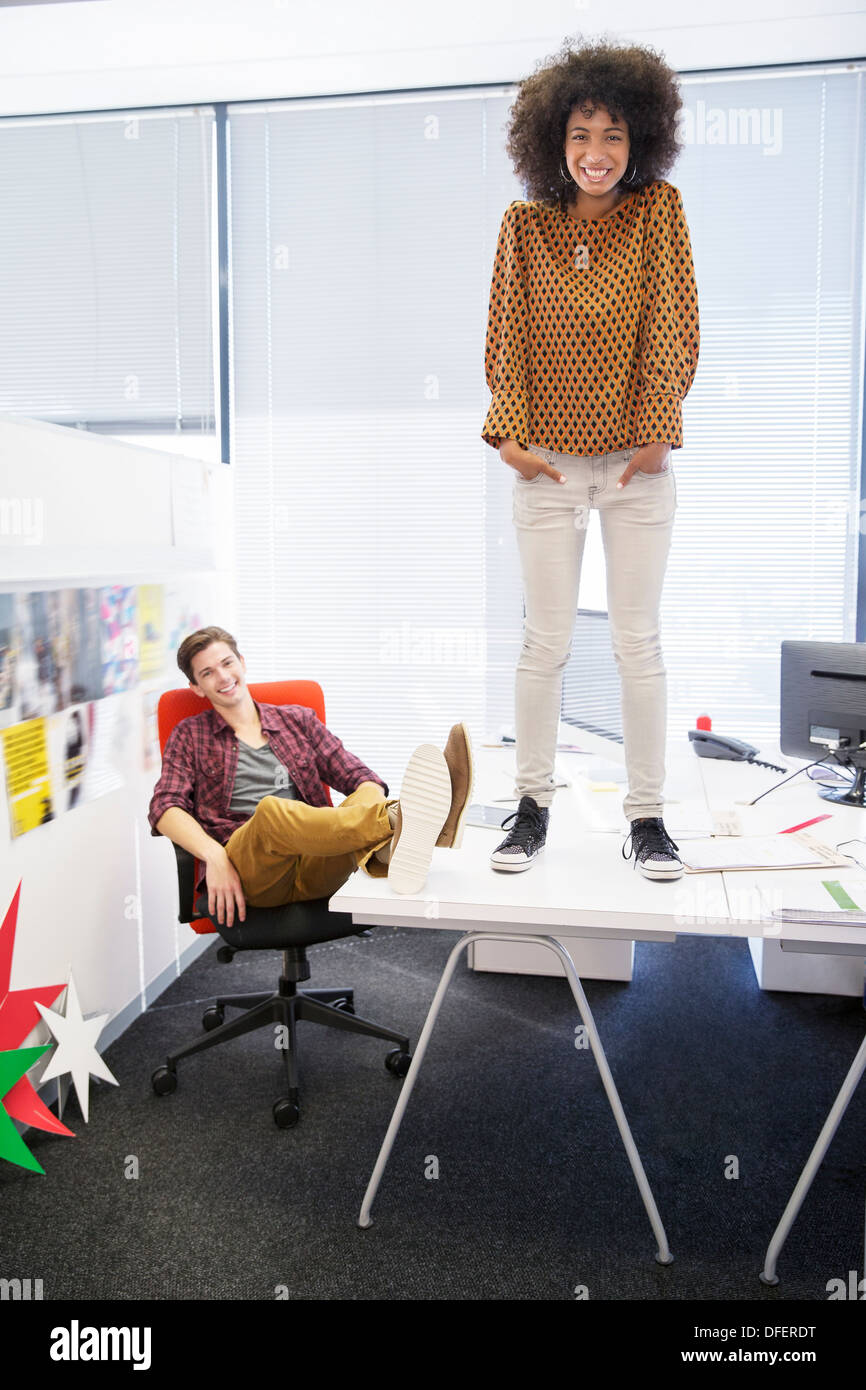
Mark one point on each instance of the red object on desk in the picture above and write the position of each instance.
(813, 821)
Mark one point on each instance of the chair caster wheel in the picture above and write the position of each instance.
(286, 1113)
(398, 1062)
(212, 1018)
(345, 1005)
(164, 1081)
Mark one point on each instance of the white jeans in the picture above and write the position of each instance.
(636, 525)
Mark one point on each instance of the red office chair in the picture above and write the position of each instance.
(291, 928)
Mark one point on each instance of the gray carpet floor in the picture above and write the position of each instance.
(534, 1197)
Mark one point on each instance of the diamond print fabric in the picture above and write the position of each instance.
(591, 351)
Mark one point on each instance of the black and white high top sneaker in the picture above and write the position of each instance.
(525, 840)
(653, 849)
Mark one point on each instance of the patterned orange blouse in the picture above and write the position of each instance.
(593, 333)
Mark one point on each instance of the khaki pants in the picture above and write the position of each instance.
(289, 852)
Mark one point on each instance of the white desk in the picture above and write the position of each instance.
(583, 889)
(781, 962)
(696, 790)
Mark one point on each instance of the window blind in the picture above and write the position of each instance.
(362, 236)
(765, 543)
(105, 270)
(375, 540)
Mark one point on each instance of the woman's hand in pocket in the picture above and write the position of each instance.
(649, 458)
(527, 464)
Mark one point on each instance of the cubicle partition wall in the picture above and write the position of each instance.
(110, 554)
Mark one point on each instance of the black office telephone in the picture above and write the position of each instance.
(710, 745)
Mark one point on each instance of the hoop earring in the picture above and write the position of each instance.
(564, 174)
(629, 178)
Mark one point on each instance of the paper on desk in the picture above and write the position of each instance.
(798, 851)
(684, 824)
(603, 770)
(603, 811)
(506, 778)
(826, 902)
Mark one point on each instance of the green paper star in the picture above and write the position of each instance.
(13, 1065)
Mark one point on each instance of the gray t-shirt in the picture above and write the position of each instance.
(259, 773)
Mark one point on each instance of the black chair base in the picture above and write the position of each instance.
(290, 928)
(333, 1008)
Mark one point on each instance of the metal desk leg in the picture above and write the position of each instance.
(365, 1219)
(813, 1163)
(663, 1254)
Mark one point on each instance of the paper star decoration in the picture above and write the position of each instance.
(13, 1065)
(18, 1018)
(76, 1052)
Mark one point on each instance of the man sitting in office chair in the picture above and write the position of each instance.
(241, 789)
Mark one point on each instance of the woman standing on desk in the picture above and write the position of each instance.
(592, 343)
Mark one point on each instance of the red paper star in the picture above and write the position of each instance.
(18, 1017)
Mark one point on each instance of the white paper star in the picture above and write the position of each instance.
(62, 1092)
(76, 1047)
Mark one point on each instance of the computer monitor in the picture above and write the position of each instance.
(823, 708)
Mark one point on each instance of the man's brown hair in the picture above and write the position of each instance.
(196, 642)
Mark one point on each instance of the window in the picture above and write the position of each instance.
(105, 270)
(375, 543)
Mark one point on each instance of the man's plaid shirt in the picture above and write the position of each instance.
(200, 760)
